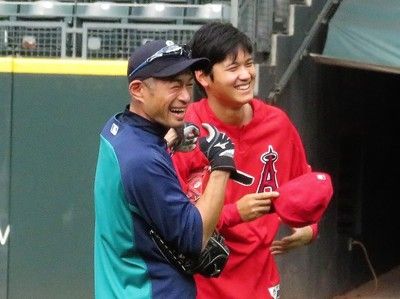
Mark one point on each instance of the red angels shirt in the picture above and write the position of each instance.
(268, 152)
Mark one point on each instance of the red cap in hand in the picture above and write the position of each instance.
(303, 200)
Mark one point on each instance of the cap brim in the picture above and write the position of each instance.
(180, 66)
(169, 67)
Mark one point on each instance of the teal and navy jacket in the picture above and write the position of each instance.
(136, 188)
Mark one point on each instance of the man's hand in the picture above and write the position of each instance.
(184, 138)
(218, 148)
(300, 236)
(187, 137)
(254, 205)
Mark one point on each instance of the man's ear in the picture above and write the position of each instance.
(136, 90)
(201, 78)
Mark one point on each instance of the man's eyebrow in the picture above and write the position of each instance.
(231, 63)
(177, 79)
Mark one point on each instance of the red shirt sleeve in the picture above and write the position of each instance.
(229, 217)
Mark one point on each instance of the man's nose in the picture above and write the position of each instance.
(185, 94)
(245, 73)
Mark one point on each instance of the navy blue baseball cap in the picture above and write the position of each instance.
(161, 59)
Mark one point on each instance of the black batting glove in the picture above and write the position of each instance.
(218, 148)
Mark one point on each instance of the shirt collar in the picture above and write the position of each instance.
(136, 120)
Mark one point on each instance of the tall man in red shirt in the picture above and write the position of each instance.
(269, 152)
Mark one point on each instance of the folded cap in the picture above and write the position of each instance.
(196, 183)
(303, 200)
(161, 59)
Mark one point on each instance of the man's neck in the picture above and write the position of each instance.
(236, 116)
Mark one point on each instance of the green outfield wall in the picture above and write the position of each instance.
(5, 151)
(51, 114)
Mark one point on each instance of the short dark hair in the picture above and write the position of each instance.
(216, 41)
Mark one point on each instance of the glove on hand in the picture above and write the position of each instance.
(210, 263)
(187, 138)
(218, 148)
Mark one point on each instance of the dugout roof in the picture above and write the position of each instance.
(364, 34)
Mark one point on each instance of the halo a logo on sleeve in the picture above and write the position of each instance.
(274, 291)
(114, 129)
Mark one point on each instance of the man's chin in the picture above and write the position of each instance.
(245, 100)
(176, 123)
(245, 97)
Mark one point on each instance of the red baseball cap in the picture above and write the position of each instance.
(303, 200)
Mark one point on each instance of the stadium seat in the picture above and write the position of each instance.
(207, 12)
(157, 13)
(102, 11)
(8, 10)
(46, 10)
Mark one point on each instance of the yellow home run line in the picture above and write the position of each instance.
(63, 66)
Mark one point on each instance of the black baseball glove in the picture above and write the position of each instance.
(210, 263)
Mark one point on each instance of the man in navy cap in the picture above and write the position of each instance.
(136, 187)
